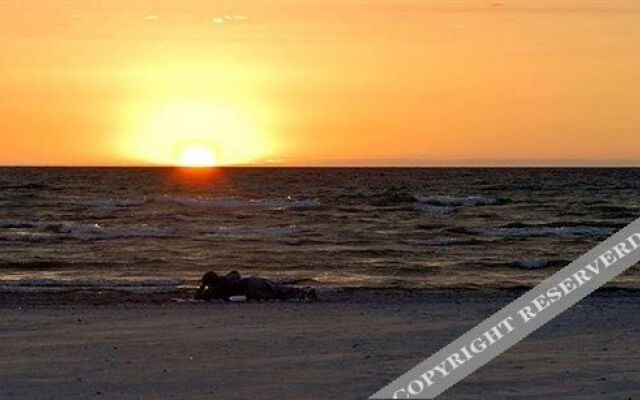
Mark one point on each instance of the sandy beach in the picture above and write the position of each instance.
(346, 347)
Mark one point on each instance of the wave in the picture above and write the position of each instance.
(611, 207)
(538, 263)
(512, 187)
(526, 264)
(566, 224)
(442, 241)
(145, 285)
(533, 231)
(281, 204)
(112, 205)
(81, 231)
(393, 196)
(432, 209)
(29, 186)
(21, 231)
(97, 231)
(22, 236)
(615, 211)
(390, 196)
(34, 265)
(39, 264)
(246, 231)
(468, 201)
(442, 204)
(16, 223)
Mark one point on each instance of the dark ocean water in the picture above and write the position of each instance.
(438, 228)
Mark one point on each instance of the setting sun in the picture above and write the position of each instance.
(197, 156)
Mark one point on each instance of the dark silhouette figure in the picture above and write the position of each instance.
(215, 287)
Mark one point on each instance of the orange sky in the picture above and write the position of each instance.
(320, 82)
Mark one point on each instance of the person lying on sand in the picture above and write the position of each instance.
(215, 287)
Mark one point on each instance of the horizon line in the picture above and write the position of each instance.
(635, 164)
(366, 163)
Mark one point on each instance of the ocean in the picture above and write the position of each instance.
(152, 229)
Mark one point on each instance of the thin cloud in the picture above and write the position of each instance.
(153, 18)
(228, 18)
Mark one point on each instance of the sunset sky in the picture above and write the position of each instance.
(320, 82)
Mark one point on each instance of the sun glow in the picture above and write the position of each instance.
(197, 156)
(197, 134)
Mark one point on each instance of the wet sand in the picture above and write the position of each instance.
(346, 347)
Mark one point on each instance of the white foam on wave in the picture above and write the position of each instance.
(234, 202)
(203, 202)
(431, 209)
(23, 231)
(443, 200)
(84, 231)
(286, 204)
(25, 236)
(105, 206)
(47, 230)
(97, 231)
